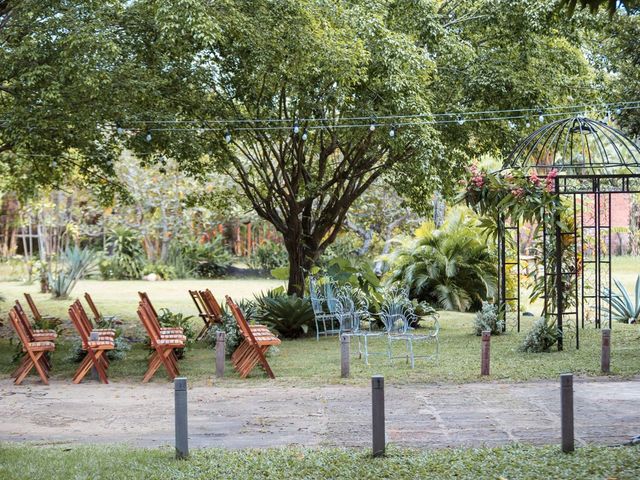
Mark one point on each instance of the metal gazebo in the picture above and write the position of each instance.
(594, 161)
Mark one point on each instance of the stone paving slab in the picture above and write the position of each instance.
(426, 416)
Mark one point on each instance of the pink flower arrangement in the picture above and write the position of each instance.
(518, 192)
(550, 180)
(535, 179)
(477, 179)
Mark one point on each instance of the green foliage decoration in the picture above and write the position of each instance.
(543, 335)
(488, 319)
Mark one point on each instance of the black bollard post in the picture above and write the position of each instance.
(605, 356)
(220, 344)
(566, 411)
(182, 428)
(485, 356)
(345, 341)
(377, 415)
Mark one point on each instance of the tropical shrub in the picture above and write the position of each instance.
(451, 267)
(206, 260)
(623, 308)
(488, 318)
(126, 256)
(290, 315)
(356, 274)
(73, 264)
(162, 270)
(269, 255)
(542, 336)
(229, 326)
(167, 318)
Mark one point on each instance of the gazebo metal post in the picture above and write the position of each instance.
(558, 267)
(502, 270)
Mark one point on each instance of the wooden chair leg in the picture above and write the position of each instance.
(99, 364)
(172, 370)
(154, 364)
(82, 370)
(25, 371)
(39, 368)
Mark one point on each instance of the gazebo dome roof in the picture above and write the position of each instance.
(577, 146)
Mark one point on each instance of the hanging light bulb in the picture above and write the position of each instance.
(460, 120)
(372, 127)
(296, 128)
(227, 136)
(540, 116)
(392, 131)
(528, 123)
(304, 135)
(511, 125)
(148, 137)
(618, 110)
(119, 129)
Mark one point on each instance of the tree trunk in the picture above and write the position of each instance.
(301, 259)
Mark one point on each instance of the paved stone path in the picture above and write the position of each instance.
(432, 416)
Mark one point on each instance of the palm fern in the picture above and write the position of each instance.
(450, 267)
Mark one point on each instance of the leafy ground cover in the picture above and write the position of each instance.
(511, 462)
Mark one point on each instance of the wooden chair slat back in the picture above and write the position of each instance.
(92, 306)
(74, 314)
(241, 321)
(84, 318)
(32, 306)
(151, 319)
(143, 315)
(16, 323)
(24, 320)
(145, 298)
(195, 296)
(213, 304)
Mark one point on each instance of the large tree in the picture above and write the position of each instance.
(297, 85)
(281, 96)
(59, 88)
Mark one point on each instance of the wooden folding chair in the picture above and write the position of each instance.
(34, 351)
(163, 345)
(34, 310)
(144, 299)
(95, 348)
(255, 343)
(34, 335)
(202, 313)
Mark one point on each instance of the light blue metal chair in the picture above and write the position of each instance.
(397, 316)
(326, 321)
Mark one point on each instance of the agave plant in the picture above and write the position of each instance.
(623, 309)
(451, 267)
(290, 315)
(75, 263)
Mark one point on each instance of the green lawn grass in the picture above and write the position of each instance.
(120, 298)
(512, 462)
